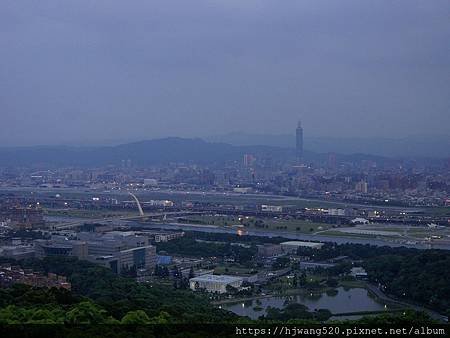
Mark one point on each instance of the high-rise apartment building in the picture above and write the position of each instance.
(299, 142)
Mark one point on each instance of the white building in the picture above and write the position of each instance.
(215, 283)
(271, 208)
(292, 246)
(159, 203)
(336, 212)
(150, 182)
(243, 190)
(358, 272)
(359, 220)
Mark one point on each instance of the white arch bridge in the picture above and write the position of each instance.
(142, 216)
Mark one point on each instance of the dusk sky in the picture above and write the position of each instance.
(79, 72)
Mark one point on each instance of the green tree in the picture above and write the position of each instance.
(162, 318)
(87, 313)
(135, 317)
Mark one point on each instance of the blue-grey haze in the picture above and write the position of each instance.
(80, 72)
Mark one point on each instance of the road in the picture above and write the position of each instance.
(292, 236)
(79, 222)
(225, 195)
(375, 290)
(138, 221)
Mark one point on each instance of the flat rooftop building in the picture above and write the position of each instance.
(292, 246)
(215, 283)
(269, 250)
(358, 272)
(120, 250)
(315, 265)
(56, 247)
(17, 251)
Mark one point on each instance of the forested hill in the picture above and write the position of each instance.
(160, 151)
(422, 276)
(100, 296)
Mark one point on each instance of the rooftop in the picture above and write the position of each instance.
(300, 243)
(216, 278)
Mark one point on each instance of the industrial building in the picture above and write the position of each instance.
(141, 258)
(269, 250)
(115, 250)
(120, 250)
(55, 247)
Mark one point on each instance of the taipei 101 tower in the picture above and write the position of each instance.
(299, 142)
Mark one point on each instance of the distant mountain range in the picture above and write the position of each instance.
(409, 147)
(183, 150)
(166, 150)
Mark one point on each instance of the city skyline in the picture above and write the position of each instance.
(224, 168)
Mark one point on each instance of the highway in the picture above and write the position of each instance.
(79, 222)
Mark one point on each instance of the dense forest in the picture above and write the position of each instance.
(99, 295)
(189, 246)
(423, 277)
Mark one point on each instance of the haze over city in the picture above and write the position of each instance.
(90, 72)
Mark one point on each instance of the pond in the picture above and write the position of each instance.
(340, 300)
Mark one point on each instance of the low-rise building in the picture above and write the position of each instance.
(358, 272)
(269, 250)
(271, 208)
(120, 250)
(314, 265)
(22, 218)
(163, 260)
(162, 236)
(243, 190)
(17, 251)
(52, 247)
(12, 274)
(292, 246)
(215, 283)
(140, 258)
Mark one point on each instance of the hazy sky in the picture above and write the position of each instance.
(79, 71)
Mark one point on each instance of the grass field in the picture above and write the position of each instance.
(262, 223)
(345, 234)
(297, 225)
(438, 211)
(81, 213)
(179, 196)
(233, 270)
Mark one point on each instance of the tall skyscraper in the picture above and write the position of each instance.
(249, 160)
(299, 142)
